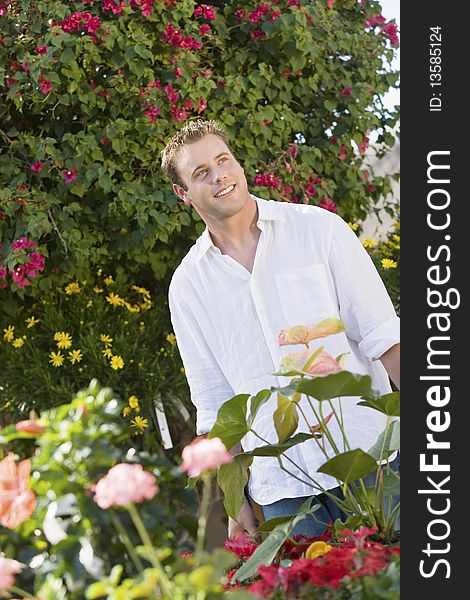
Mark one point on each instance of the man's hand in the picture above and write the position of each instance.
(245, 523)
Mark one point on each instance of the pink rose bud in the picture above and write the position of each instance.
(204, 454)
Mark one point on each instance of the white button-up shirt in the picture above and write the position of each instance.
(309, 265)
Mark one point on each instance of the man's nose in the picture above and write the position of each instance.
(218, 175)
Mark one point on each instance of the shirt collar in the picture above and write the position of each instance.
(268, 210)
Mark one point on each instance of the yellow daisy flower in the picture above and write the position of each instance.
(18, 342)
(98, 290)
(72, 288)
(140, 423)
(108, 280)
(141, 290)
(106, 339)
(182, 370)
(56, 359)
(369, 243)
(133, 401)
(141, 326)
(171, 339)
(75, 356)
(388, 263)
(63, 339)
(117, 362)
(115, 300)
(9, 333)
(31, 321)
(126, 411)
(107, 352)
(354, 226)
(140, 365)
(89, 304)
(133, 308)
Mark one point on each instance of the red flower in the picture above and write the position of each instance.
(257, 34)
(342, 152)
(330, 3)
(374, 20)
(239, 14)
(40, 50)
(45, 85)
(347, 91)
(69, 175)
(363, 145)
(391, 34)
(37, 166)
(370, 188)
(178, 114)
(268, 179)
(201, 106)
(328, 204)
(177, 72)
(203, 29)
(242, 546)
(206, 11)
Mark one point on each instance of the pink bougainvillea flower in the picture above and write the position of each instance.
(257, 34)
(328, 204)
(202, 105)
(269, 180)
(8, 569)
(37, 166)
(303, 334)
(203, 29)
(40, 50)
(330, 3)
(347, 91)
(29, 426)
(342, 152)
(124, 484)
(239, 14)
(390, 30)
(204, 454)
(69, 175)
(177, 113)
(22, 243)
(364, 144)
(45, 85)
(17, 501)
(378, 19)
(206, 11)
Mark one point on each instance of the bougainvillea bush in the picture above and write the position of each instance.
(90, 91)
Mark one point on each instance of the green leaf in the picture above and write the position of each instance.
(256, 402)
(285, 417)
(232, 478)
(391, 484)
(337, 384)
(278, 449)
(67, 56)
(266, 552)
(349, 466)
(329, 105)
(388, 404)
(385, 445)
(231, 424)
(272, 523)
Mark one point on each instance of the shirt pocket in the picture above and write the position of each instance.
(305, 295)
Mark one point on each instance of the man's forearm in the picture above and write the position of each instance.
(391, 362)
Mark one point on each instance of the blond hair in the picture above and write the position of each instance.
(190, 133)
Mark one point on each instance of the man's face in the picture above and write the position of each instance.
(215, 181)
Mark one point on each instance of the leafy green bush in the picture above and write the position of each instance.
(91, 91)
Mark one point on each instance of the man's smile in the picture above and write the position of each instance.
(225, 191)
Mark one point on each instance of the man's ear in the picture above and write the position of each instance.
(181, 193)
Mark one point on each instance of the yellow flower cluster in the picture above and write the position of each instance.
(72, 288)
(369, 243)
(388, 263)
(9, 336)
(63, 340)
(116, 362)
(138, 422)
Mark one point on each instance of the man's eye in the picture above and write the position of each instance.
(222, 160)
(203, 172)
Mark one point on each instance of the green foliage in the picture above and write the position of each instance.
(89, 102)
(81, 441)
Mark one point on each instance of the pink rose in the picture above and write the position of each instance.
(204, 454)
(8, 568)
(29, 426)
(124, 484)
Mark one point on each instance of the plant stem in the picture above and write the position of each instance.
(202, 521)
(126, 541)
(144, 536)
(19, 591)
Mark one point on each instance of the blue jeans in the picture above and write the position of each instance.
(328, 511)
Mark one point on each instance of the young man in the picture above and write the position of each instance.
(261, 266)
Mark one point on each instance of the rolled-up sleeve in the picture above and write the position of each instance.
(208, 386)
(364, 304)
